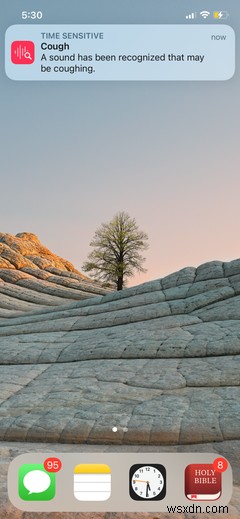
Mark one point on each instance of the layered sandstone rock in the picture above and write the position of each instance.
(32, 277)
(153, 355)
(160, 360)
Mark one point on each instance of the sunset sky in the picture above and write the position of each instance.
(74, 154)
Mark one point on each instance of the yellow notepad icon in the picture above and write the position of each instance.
(92, 482)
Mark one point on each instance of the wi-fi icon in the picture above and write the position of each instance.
(205, 14)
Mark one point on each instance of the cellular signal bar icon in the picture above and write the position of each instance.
(191, 16)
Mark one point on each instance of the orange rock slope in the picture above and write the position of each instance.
(32, 277)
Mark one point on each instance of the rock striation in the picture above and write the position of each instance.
(147, 358)
(32, 277)
(160, 360)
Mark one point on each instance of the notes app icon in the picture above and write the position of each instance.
(92, 482)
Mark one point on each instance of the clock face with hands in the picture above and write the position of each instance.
(147, 482)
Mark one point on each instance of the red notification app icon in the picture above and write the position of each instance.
(22, 52)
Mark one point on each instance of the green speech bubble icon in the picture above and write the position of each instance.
(35, 483)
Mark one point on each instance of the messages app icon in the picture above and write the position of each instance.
(35, 483)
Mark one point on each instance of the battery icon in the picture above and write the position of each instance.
(220, 15)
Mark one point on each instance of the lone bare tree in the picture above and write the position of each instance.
(116, 253)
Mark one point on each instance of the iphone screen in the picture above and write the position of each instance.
(119, 269)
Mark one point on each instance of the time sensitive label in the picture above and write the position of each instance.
(120, 52)
(120, 482)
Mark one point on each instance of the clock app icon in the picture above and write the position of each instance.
(147, 482)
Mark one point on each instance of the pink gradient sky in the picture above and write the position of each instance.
(167, 153)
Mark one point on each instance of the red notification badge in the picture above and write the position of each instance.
(220, 464)
(52, 464)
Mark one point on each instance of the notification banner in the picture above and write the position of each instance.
(120, 52)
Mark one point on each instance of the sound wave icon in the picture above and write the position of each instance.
(22, 52)
(205, 14)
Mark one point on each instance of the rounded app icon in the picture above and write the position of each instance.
(22, 52)
(203, 481)
(92, 482)
(147, 482)
(35, 483)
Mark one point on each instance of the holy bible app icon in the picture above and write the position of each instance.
(202, 482)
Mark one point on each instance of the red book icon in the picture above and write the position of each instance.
(202, 482)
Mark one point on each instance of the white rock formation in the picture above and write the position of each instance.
(161, 359)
